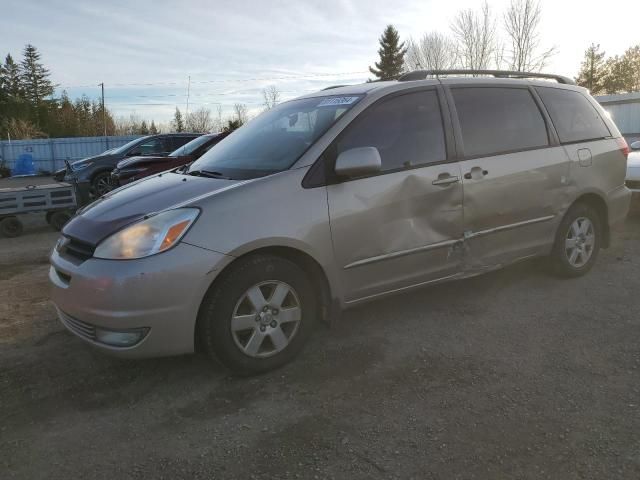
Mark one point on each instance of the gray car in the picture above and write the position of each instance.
(338, 198)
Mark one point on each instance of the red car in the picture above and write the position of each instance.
(135, 168)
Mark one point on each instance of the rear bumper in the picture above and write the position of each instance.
(159, 295)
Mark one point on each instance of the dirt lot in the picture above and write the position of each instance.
(511, 375)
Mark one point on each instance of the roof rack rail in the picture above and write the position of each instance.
(332, 87)
(423, 74)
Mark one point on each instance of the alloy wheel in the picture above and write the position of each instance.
(102, 185)
(266, 318)
(579, 242)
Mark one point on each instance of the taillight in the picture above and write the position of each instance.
(624, 148)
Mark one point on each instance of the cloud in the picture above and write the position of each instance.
(144, 51)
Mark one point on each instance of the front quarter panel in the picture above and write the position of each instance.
(274, 211)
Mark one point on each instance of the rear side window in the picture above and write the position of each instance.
(497, 120)
(177, 142)
(573, 115)
(152, 146)
(407, 131)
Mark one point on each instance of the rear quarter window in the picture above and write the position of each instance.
(497, 120)
(177, 142)
(573, 115)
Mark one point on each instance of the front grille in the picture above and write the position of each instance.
(635, 184)
(80, 328)
(78, 249)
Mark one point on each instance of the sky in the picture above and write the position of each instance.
(145, 51)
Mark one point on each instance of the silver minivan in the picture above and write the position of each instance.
(337, 198)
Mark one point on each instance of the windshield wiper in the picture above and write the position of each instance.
(208, 173)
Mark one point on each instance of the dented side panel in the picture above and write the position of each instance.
(395, 230)
(512, 211)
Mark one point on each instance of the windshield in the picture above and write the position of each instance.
(125, 147)
(274, 140)
(192, 146)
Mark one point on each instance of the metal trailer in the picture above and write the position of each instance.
(57, 200)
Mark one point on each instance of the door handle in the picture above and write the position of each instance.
(445, 179)
(476, 173)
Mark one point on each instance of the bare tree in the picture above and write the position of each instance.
(475, 37)
(522, 22)
(271, 97)
(23, 129)
(218, 123)
(434, 51)
(128, 125)
(199, 121)
(241, 113)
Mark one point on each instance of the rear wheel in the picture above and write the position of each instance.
(59, 219)
(577, 241)
(10, 227)
(259, 316)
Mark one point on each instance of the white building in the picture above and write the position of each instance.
(624, 109)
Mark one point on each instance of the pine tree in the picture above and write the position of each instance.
(391, 53)
(34, 77)
(178, 123)
(153, 130)
(67, 119)
(3, 84)
(144, 130)
(11, 75)
(593, 71)
(623, 72)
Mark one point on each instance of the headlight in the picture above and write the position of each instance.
(80, 166)
(147, 237)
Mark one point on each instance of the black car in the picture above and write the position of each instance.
(97, 170)
(135, 168)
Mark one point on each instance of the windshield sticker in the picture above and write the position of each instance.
(334, 101)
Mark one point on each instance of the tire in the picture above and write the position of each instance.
(101, 184)
(583, 225)
(249, 340)
(59, 219)
(10, 227)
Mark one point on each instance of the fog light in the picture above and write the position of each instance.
(126, 338)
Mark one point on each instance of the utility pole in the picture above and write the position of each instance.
(188, 93)
(104, 115)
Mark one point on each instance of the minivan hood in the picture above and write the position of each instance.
(132, 202)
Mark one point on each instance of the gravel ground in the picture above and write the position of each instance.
(514, 374)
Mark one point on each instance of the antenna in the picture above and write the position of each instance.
(188, 93)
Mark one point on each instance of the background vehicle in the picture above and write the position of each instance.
(633, 168)
(338, 198)
(97, 170)
(134, 168)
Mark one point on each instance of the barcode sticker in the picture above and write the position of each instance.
(334, 101)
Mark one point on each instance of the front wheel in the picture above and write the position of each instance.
(101, 184)
(259, 316)
(577, 241)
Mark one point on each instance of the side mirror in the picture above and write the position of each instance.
(635, 145)
(358, 162)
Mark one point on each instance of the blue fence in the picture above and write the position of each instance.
(49, 154)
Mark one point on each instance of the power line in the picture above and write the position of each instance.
(238, 80)
(203, 94)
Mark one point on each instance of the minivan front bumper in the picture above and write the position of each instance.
(135, 308)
